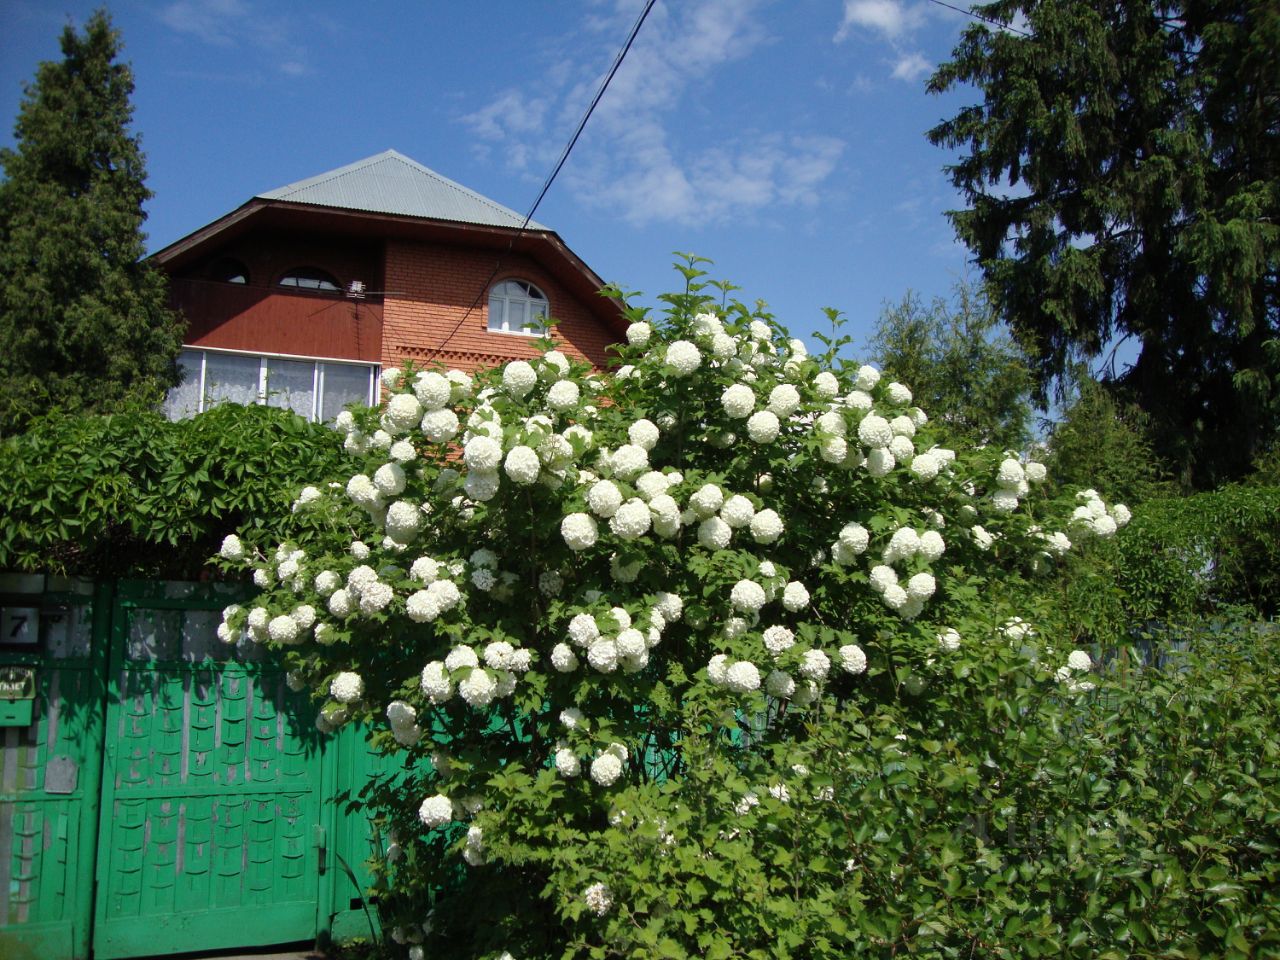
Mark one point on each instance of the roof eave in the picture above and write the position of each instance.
(584, 282)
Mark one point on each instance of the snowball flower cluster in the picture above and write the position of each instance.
(639, 333)
(852, 659)
(482, 453)
(607, 767)
(795, 597)
(874, 432)
(738, 401)
(683, 357)
(522, 465)
(748, 596)
(742, 677)
(232, 548)
(346, 687)
(439, 597)
(435, 811)
(518, 378)
(778, 639)
(579, 531)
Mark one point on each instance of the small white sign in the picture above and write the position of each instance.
(20, 625)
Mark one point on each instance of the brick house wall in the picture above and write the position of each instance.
(430, 288)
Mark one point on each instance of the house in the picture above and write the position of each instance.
(301, 295)
(163, 792)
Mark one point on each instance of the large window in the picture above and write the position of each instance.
(315, 389)
(517, 307)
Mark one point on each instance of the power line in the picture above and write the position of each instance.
(978, 16)
(564, 156)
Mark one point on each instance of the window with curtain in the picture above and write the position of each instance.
(314, 389)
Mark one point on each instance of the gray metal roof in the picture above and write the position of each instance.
(390, 182)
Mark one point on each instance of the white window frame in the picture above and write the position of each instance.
(317, 375)
(503, 325)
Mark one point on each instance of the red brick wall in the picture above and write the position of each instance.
(429, 288)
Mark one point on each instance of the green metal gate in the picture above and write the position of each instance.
(211, 792)
(178, 773)
(51, 736)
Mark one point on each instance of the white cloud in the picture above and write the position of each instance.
(911, 67)
(213, 21)
(511, 114)
(634, 159)
(227, 23)
(891, 18)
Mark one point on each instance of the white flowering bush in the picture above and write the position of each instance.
(646, 638)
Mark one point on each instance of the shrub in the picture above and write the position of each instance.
(134, 494)
(723, 654)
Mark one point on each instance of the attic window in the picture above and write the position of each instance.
(310, 278)
(229, 270)
(517, 307)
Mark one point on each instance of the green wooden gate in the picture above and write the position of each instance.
(200, 798)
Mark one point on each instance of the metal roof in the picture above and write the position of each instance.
(390, 182)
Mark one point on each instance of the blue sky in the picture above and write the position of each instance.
(784, 140)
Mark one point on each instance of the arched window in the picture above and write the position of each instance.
(517, 307)
(309, 278)
(229, 270)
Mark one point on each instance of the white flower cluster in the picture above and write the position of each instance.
(435, 811)
(463, 467)
(598, 898)
(347, 687)
(606, 768)
(1078, 661)
(403, 720)
(478, 686)
(1093, 516)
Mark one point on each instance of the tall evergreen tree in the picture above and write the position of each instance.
(1122, 177)
(83, 319)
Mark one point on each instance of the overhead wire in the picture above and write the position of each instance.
(978, 16)
(564, 156)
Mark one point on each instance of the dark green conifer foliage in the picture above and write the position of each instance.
(83, 318)
(1122, 178)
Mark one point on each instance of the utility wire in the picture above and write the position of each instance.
(978, 16)
(564, 156)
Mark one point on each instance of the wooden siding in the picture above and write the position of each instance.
(271, 320)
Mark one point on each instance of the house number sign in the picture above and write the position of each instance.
(20, 625)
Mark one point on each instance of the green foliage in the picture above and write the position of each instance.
(633, 721)
(1179, 563)
(1104, 443)
(994, 815)
(132, 494)
(958, 359)
(1122, 178)
(83, 320)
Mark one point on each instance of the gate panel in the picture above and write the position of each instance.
(49, 764)
(211, 787)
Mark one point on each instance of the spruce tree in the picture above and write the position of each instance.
(83, 318)
(1122, 181)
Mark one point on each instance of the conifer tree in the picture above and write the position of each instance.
(1122, 182)
(83, 318)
